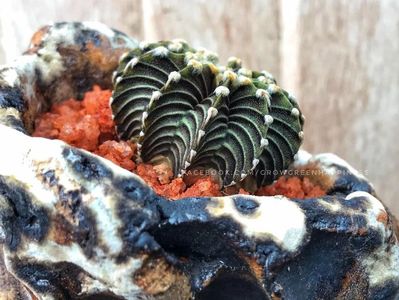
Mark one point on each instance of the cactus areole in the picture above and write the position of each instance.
(183, 108)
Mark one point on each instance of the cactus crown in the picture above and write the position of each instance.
(179, 105)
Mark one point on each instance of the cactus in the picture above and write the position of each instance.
(182, 107)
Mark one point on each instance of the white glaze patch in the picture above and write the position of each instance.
(328, 161)
(143, 45)
(10, 76)
(103, 207)
(27, 64)
(255, 162)
(25, 155)
(277, 218)
(100, 27)
(117, 276)
(17, 161)
(383, 265)
(9, 111)
(302, 158)
(48, 60)
(374, 209)
(25, 159)
(333, 206)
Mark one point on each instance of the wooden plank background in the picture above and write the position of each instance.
(339, 57)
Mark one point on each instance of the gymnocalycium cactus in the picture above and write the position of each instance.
(181, 107)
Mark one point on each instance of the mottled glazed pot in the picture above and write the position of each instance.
(76, 226)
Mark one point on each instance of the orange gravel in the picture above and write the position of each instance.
(292, 187)
(88, 124)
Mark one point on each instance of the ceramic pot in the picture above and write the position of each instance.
(75, 226)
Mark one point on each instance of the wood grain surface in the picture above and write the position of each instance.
(349, 85)
(246, 29)
(339, 57)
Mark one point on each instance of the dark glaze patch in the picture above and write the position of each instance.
(62, 230)
(387, 291)
(71, 199)
(233, 285)
(24, 218)
(86, 166)
(137, 242)
(70, 203)
(15, 123)
(82, 34)
(189, 230)
(134, 190)
(61, 280)
(203, 250)
(347, 183)
(245, 206)
(343, 221)
(85, 36)
(194, 239)
(355, 283)
(85, 233)
(197, 242)
(11, 97)
(138, 212)
(49, 178)
(43, 279)
(186, 224)
(134, 231)
(321, 265)
(184, 210)
(349, 219)
(207, 244)
(42, 86)
(89, 60)
(270, 256)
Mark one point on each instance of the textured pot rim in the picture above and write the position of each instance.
(42, 166)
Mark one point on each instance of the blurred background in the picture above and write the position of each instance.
(340, 58)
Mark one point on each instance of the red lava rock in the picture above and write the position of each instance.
(292, 187)
(203, 187)
(79, 123)
(120, 153)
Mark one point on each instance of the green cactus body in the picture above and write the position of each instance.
(183, 108)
